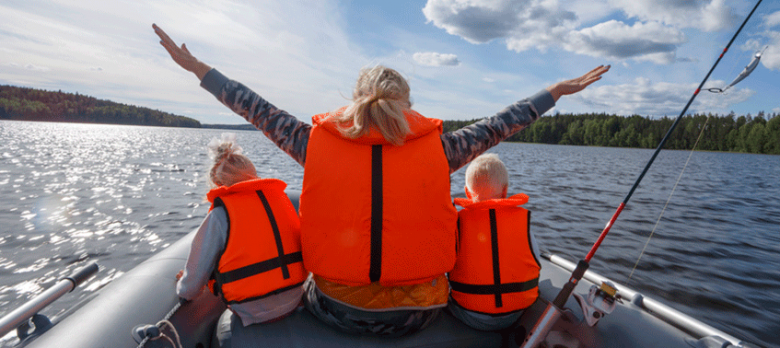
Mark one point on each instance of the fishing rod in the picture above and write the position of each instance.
(553, 311)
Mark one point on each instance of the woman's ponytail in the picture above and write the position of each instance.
(380, 98)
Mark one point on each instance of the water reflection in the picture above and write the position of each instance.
(118, 194)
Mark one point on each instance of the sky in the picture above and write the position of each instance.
(464, 59)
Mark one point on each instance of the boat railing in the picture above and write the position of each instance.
(658, 309)
(31, 308)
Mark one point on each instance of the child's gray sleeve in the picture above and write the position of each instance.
(290, 134)
(465, 144)
(209, 241)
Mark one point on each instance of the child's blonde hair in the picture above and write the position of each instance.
(379, 100)
(229, 166)
(487, 178)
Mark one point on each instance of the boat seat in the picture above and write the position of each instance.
(301, 329)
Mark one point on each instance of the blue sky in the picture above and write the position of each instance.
(464, 58)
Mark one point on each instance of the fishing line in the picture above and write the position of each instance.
(734, 66)
(668, 199)
(554, 310)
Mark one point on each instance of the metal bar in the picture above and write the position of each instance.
(12, 320)
(658, 309)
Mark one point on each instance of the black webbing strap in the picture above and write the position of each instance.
(375, 270)
(277, 235)
(494, 252)
(495, 288)
(257, 268)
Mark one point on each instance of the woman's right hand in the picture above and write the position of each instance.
(181, 55)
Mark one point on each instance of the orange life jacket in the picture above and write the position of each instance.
(496, 271)
(372, 211)
(262, 254)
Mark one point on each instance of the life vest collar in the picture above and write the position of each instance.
(247, 185)
(513, 201)
(418, 124)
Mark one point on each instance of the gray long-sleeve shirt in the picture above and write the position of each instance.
(292, 135)
(209, 240)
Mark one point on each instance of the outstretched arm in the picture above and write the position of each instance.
(465, 144)
(181, 55)
(285, 130)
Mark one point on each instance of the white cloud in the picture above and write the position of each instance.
(651, 41)
(772, 19)
(480, 21)
(659, 99)
(29, 67)
(771, 57)
(282, 50)
(777, 109)
(488, 80)
(708, 15)
(436, 59)
(542, 24)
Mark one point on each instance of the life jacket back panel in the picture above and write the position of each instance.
(262, 255)
(496, 271)
(372, 211)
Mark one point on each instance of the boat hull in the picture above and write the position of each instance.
(146, 294)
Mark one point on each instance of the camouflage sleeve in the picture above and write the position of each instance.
(465, 144)
(286, 131)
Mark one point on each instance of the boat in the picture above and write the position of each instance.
(121, 314)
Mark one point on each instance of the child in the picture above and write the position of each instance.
(248, 244)
(496, 274)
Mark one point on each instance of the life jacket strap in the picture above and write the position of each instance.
(277, 234)
(494, 289)
(377, 201)
(258, 268)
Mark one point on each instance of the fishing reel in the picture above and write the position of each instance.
(601, 301)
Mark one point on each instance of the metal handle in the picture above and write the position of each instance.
(62, 287)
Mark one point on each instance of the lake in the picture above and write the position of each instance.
(74, 193)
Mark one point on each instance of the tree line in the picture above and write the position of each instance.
(731, 133)
(29, 104)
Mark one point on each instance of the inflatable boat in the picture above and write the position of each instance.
(125, 312)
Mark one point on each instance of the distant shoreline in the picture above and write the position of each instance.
(247, 127)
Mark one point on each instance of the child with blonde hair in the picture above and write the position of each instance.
(496, 272)
(248, 247)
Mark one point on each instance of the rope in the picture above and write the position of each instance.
(668, 200)
(165, 322)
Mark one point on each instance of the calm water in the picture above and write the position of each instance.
(118, 194)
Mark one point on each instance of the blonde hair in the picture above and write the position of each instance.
(486, 177)
(379, 100)
(229, 166)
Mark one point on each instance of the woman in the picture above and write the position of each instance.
(378, 227)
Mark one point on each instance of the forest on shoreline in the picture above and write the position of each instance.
(28, 104)
(729, 133)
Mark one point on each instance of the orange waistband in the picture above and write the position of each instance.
(375, 296)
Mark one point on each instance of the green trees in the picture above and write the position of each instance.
(760, 134)
(18, 103)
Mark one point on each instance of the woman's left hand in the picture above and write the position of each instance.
(575, 85)
(181, 55)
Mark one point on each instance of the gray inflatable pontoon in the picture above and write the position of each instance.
(146, 294)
